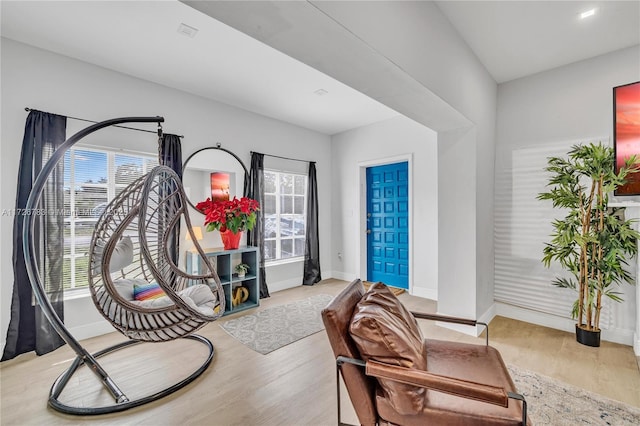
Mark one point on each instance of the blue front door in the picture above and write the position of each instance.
(388, 224)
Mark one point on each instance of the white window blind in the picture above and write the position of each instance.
(92, 178)
(522, 227)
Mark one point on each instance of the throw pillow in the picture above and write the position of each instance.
(122, 255)
(147, 291)
(199, 293)
(160, 302)
(384, 331)
(124, 287)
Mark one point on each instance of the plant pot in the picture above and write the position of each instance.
(241, 274)
(588, 337)
(230, 240)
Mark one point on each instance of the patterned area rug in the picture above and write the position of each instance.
(551, 402)
(275, 327)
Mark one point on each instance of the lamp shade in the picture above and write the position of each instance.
(197, 231)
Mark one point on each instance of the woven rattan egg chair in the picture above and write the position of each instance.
(133, 236)
(133, 247)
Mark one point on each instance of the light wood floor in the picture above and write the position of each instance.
(291, 386)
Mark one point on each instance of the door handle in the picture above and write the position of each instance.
(368, 231)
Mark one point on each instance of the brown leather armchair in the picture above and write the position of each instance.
(445, 383)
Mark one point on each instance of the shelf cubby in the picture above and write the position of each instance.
(224, 261)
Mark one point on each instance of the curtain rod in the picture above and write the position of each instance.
(284, 158)
(91, 121)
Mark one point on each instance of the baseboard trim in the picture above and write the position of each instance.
(284, 285)
(615, 335)
(636, 346)
(618, 335)
(344, 276)
(488, 315)
(425, 293)
(464, 329)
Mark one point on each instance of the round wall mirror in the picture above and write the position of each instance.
(215, 173)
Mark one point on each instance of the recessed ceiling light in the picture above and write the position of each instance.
(187, 30)
(588, 13)
(320, 92)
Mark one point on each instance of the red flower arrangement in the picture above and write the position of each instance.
(234, 215)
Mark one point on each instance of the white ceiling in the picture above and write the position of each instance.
(514, 39)
(140, 38)
(220, 63)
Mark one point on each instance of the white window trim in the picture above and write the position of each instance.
(277, 262)
(77, 293)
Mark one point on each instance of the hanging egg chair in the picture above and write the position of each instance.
(134, 279)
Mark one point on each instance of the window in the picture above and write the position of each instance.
(92, 178)
(284, 215)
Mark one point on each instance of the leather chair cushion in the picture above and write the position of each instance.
(476, 363)
(383, 330)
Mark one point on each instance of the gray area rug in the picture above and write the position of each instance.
(551, 402)
(275, 327)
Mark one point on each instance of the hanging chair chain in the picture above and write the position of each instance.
(159, 140)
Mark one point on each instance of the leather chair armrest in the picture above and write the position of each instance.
(466, 389)
(444, 318)
(454, 320)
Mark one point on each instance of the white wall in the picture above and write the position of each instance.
(386, 139)
(50, 82)
(457, 225)
(570, 103)
(418, 38)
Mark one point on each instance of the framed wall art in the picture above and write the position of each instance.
(220, 186)
(626, 131)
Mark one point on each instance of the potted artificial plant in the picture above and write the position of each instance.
(241, 269)
(592, 242)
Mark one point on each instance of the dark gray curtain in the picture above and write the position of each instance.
(256, 237)
(312, 243)
(170, 155)
(28, 328)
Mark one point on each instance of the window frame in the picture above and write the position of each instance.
(71, 217)
(278, 260)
